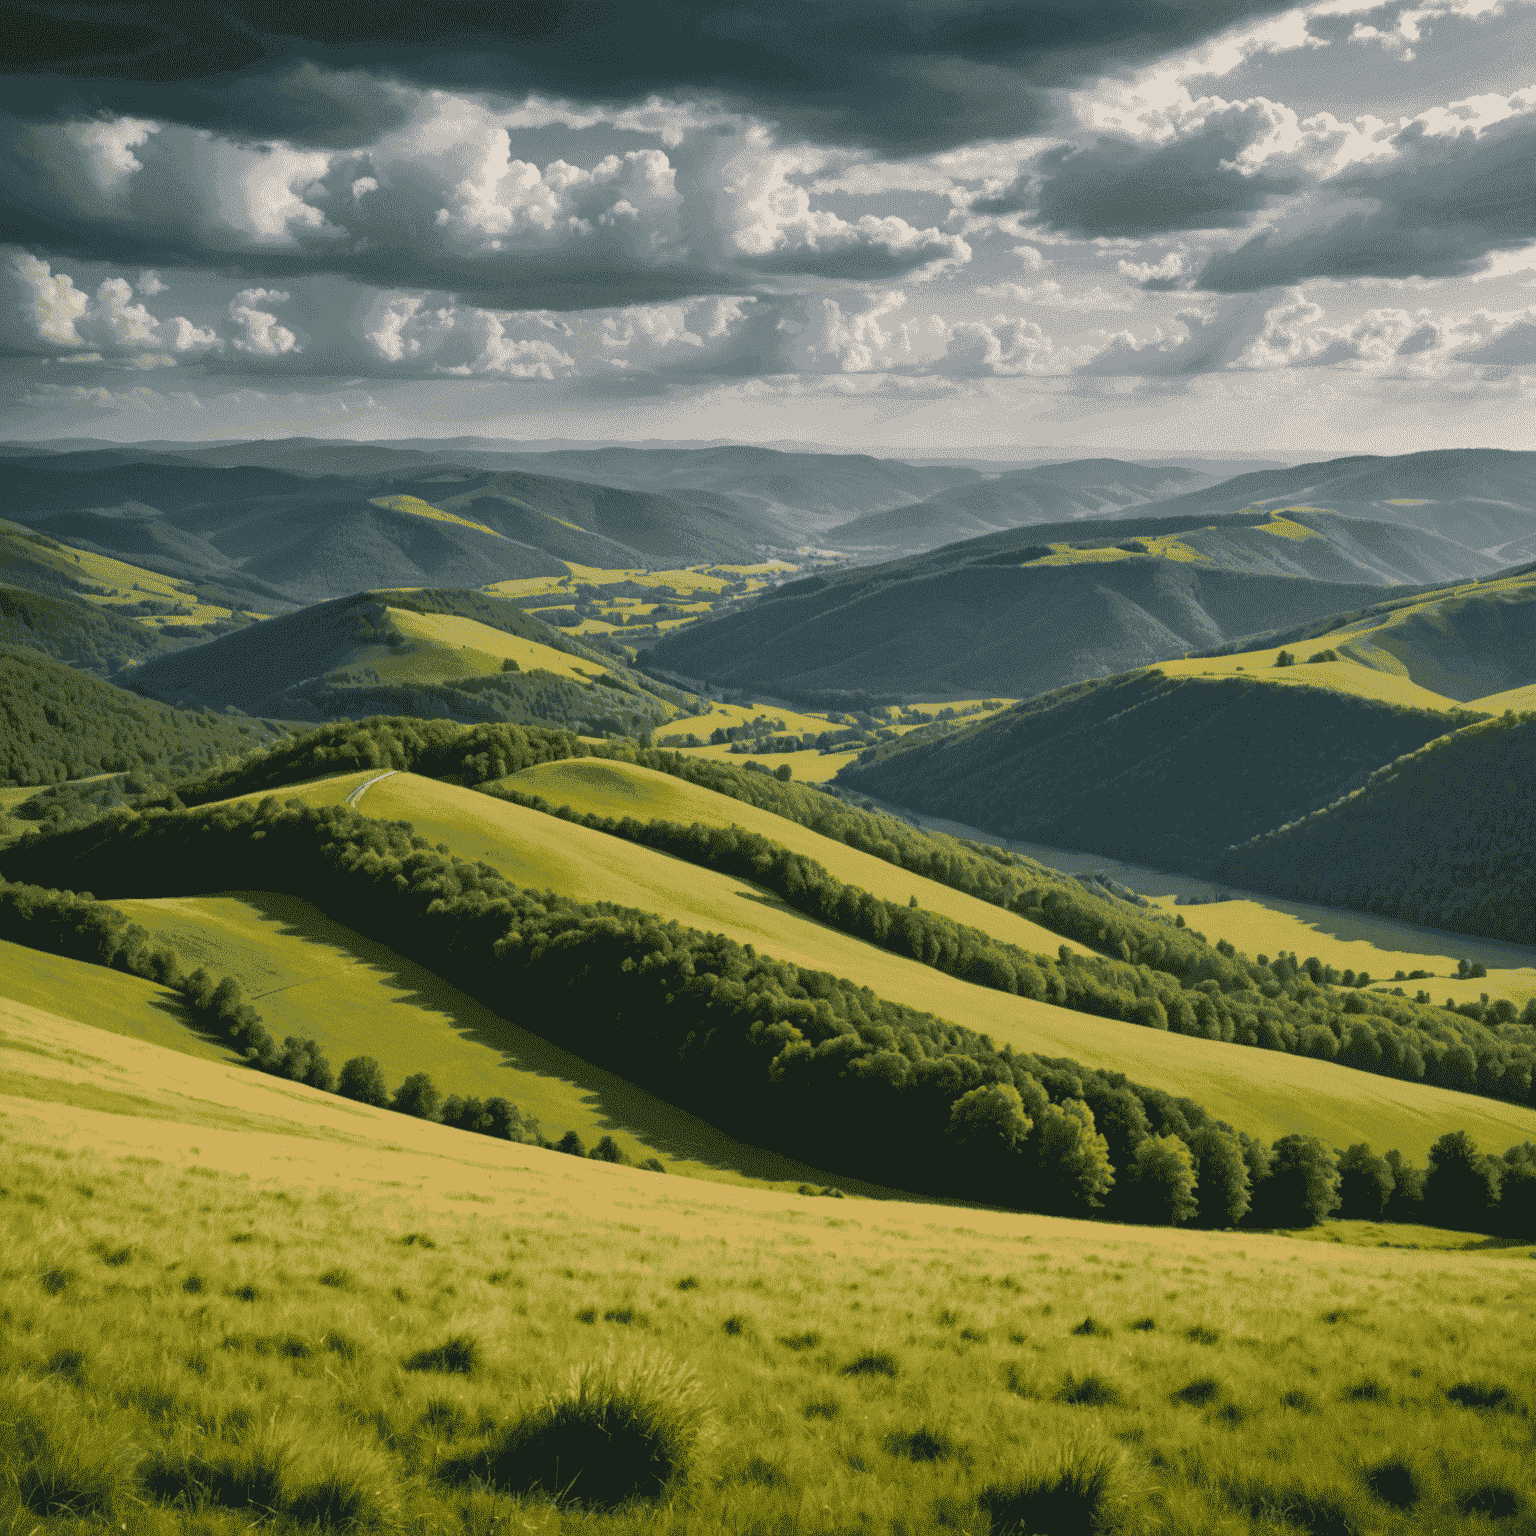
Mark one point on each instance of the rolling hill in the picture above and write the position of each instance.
(1262, 1092)
(1026, 611)
(1168, 771)
(1049, 493)
(1482, 498)
(1445, 835)
(60, 724)
(464, 655)
(314, 536)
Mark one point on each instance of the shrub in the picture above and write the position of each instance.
(1090, 1391)
(1394, 1482)
(571, 1145)
(922, 1444)
(606, 1151)
(1478, 1394)
(458, 1355)
(1162, 1177)
(871, 1365)
(1200, 1392)
(617, 1433)
(1090, 1328)
(1075, 1498)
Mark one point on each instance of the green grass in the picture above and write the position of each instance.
(207, 1325)
(312, 977)
(615, 789)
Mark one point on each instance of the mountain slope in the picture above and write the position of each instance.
(468, 655)
(71, 630)
(1472, 641)
(56, 723)
(1483, 498)
(384, 523)
(1050, 493)
(1445, 835)
(1163, 771)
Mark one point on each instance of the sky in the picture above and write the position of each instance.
(919, 226)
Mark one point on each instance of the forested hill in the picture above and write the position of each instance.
(68, 629)
(462, 654)
(1162, 770)
(56, 724)
(1444, 836)
(1007, 619)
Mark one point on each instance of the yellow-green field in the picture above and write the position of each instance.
(311, 977)
(1265, 1093)
(127, 584)
(1344, 676)
(217, 1284)
(414, 506)
(809, 765)
(1413, 655)
(616, 790)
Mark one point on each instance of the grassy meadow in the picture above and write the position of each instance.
(230, 1299)
(311, 977)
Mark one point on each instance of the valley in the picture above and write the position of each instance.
(1081, 908)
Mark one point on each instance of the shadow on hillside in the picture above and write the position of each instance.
(622, 1106)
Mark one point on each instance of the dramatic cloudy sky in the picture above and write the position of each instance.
(1152, 225)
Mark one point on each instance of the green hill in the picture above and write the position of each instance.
(1167, 771)
(383, 523)
(443, 654)
(1469, 641)
(1015, 614)
(60, 724)
(1445, 835)
(65, 628)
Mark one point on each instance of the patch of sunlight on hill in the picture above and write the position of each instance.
(1518, 699)
(1421, 639)
(1283, 528)
(110, 1000)
(442, 646)
(1266, 1093)
(129, 584)
(1360, 681)
(617, 790)
(308, 976)
(1359, 941)
(416, 507)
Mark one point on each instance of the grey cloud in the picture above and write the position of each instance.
(1121, 189)
(1213, 341)
(1436, 210)
(899, 77)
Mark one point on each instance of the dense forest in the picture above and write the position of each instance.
(56, 723)
(94, 640)
(1444, 836)
(785, 1057)
(1165, 771)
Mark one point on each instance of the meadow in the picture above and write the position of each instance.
(230, 1299)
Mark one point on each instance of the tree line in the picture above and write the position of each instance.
(1197, 990)
(779, 1055)
(78, 927)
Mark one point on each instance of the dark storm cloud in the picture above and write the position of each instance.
(1128, 191)
(1438, 209)
(1124, 190)
(899, 76)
